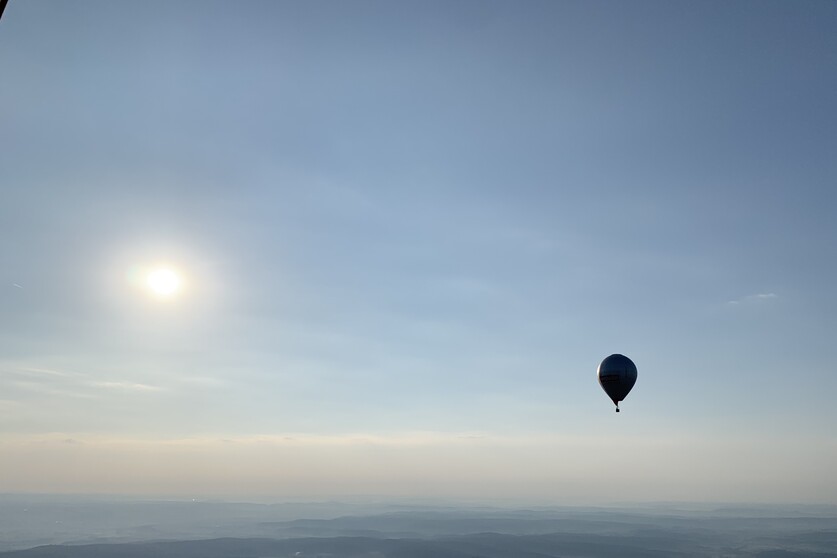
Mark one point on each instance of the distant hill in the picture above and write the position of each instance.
(487, 545)
(42, 527)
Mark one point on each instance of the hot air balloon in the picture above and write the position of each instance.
(617, 375)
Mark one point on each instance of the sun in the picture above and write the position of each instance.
(163, 282)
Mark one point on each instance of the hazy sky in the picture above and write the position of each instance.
(407, 234)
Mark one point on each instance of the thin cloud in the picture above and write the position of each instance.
(127, 386)
(39, 380)
(63, 383)
(41, 372)
(754, 298)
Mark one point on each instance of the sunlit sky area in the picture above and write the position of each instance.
(316, 249)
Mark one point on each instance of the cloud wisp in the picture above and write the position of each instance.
(754, 298)
(49, 381)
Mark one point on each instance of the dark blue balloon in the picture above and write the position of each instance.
(617, 375)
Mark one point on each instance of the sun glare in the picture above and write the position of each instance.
(163, 282)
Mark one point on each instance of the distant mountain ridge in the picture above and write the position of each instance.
(75, 528)
(485, 545)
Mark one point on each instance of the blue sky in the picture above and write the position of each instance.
(408, 233)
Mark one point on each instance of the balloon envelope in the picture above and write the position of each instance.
(617, 375)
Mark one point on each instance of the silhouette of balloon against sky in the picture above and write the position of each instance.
(617, 376)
